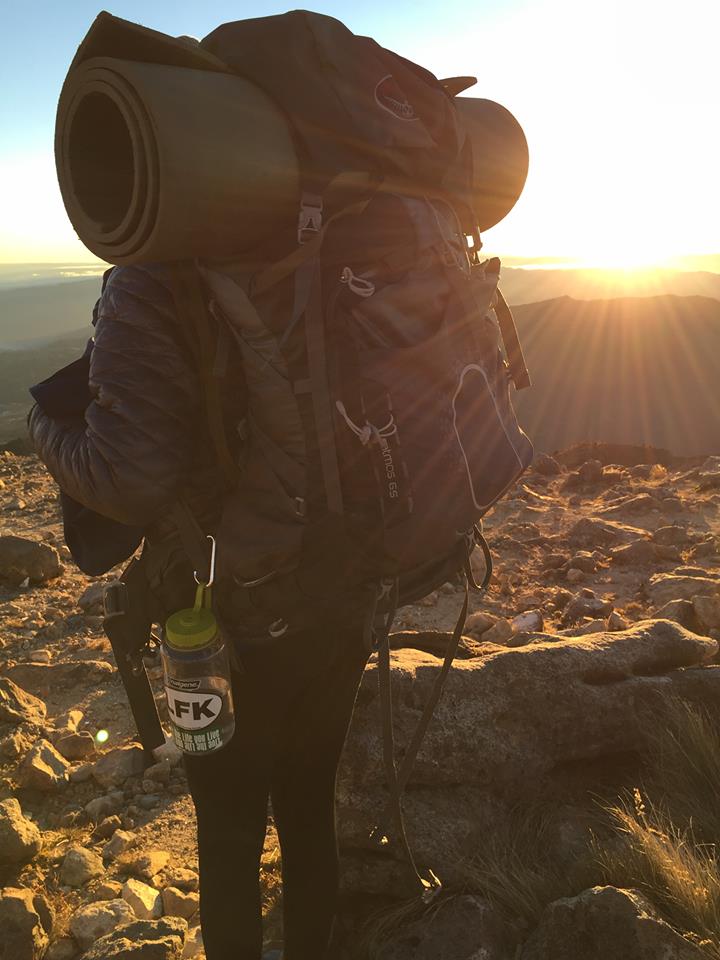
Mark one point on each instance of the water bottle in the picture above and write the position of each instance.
(197, 678)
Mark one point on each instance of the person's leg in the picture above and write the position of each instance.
(303, 792)
(230, 791)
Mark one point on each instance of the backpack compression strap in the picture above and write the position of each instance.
(398, 779)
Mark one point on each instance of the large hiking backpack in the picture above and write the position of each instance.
(379, 426)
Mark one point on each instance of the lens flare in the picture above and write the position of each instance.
(102, 736)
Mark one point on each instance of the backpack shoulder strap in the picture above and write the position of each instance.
(192, 309)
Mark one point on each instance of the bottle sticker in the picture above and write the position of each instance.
(193, 710)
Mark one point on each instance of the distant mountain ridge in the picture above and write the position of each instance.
(632, 370)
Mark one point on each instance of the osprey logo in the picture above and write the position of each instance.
(391, 98)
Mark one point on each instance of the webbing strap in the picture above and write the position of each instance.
(321, 400)
(194, 541)
(193, 312)
(276, 272)
(511, 340)
(408, 761)
(428, 884)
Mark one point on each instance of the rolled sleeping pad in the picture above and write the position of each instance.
(161, 162)
(499, 155)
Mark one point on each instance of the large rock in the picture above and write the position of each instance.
(115, 766)
(44, 768)
(80, 866)
(605, 923)
(19, 837)
(19, 706)
(22, 559)
(142, 940)
(95, 920)
(508, 723)
(145, 900)
(462, 928)
(22, 935)
(594, 532)
(664, 587)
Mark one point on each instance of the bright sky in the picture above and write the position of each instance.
(620, 101)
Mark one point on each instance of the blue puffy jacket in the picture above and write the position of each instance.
(143, 441)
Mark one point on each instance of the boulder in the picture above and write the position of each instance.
(91, 599)
(43, 768)
(142, 940)
(144, 899)
(23, 935)
(20, 839)
(22, 559)
(115, 766)
(79, 866)
(605, 922)
(95, 920)
(707, 610)
(147, 864)
(121, 842)
(594, 531)
(673, 536)
(76, 746)
(18, 706)
(546, 465)
(506, 725)
(177, 903)
(63, 949)
(461, 928)
(193, 945)
(638, 551)
(664, 587)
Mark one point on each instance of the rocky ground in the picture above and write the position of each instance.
(606, 597)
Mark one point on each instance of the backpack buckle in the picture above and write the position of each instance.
(310, 219)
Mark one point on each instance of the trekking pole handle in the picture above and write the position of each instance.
(211, 577)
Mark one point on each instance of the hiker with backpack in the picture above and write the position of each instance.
(309, 432)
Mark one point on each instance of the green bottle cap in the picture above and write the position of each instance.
(193, 627)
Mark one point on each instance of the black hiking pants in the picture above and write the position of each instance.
(293, 704)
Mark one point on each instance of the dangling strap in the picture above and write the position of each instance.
(511, 340)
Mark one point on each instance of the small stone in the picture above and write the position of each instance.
(23, 935)
(583, 606)
(18, 706)
(617, 622)
(106, 828)
(149, 801)
(169, 751)
(638, 551)
(121, 842)
(107, 890)
(583, 561)
(148, 864)
(145, 901)
(81, 773)
(80, 866)
(76, 746)
(159, 771)
(546, 465)
(179, 904)
(116, 766)
(20, 839)
(530, 621)
(592, 626)
(40, 656)
(477, 623)
(672, 536)
(575, 576)
(43, 768)
(62, 949)
(553, 561)
(91, 599)
(95, 920)
(591, 471)
(182, 878)
(500, 632)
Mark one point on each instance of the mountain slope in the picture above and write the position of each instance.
(632, 370)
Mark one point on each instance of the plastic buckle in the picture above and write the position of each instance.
(310, 220)
(115, 600)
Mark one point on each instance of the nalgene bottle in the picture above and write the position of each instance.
(197, 678)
